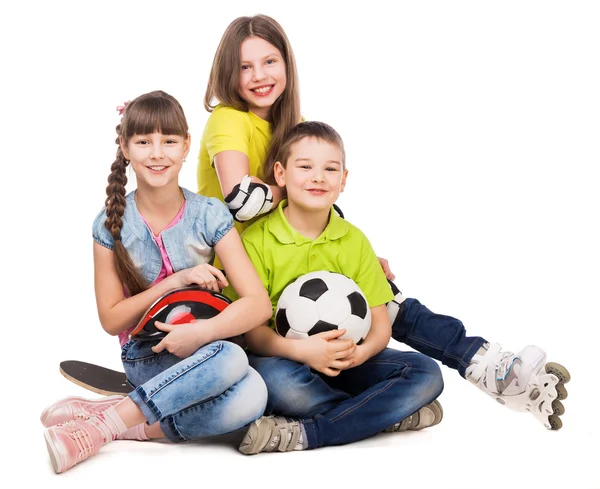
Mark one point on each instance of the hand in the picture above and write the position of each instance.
(182, 340)
(358, 357)
(386, 268)
(204, 275)
(326, 353)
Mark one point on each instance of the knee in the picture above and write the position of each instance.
(234, 362)
(247, 401)
(431, 377)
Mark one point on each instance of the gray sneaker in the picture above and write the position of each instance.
(429, 415)
(272, 434)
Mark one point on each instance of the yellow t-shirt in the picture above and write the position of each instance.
(280, 255)
(229, 129)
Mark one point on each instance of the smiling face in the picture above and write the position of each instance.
(314, 175)
(262, 75)
(156, 158)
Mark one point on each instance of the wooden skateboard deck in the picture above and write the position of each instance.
(95, 378)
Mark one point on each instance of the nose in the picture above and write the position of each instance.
(318, 175)
(157, 152)
(258, 74)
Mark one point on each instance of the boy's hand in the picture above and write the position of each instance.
(386, 268)
(204, 275)
(326, 353)
(182, 340)
(359, 357)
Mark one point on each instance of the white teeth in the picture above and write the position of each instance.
(262, 89)
(157, 168)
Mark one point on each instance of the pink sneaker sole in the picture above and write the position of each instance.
(49, 411)
(54, 458)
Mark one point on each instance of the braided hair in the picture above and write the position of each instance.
(152, 112)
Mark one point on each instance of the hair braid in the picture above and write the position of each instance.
(115, 208)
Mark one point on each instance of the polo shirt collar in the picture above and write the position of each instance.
(286, 234)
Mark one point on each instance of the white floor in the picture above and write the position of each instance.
(478, 444)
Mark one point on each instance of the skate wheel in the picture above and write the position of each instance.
(555, 422)
(558, 407)
(561, 392)
(557, 369)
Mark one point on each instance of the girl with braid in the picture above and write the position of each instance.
(161, 237)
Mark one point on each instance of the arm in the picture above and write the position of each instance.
(117, 313)
(251, 309)
(232, 166)
(377, 339)
(323, 352)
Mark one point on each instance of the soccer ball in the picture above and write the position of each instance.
(322, 301)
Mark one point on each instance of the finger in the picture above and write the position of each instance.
(158, 348)
(331, 372)
(340, 364)
(331, 334)
(164, 326)
(218, 274)
(346, 352)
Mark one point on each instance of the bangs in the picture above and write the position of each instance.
(151, 115)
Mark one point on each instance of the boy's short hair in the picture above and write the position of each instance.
(307, 129)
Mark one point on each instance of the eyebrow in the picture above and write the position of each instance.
(265, 57)
(336, 162)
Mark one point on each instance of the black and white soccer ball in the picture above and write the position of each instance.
(322, 301)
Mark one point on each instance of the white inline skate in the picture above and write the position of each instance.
(522, 382)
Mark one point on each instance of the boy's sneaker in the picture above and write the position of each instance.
(74, 441)
(428, 415)
(272, 434)
(76, 408)
(522, 382)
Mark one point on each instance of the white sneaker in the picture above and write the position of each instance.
(522, 382)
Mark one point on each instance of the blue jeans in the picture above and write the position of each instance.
(358, 403)
(441, 337)
(211, 392)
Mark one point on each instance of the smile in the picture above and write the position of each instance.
(262, 91)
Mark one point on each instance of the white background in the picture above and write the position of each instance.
(471, 131)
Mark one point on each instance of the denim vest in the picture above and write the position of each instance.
(188, 243)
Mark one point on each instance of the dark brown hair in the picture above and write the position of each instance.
(152, 112)
(315, 129)
(223, 83)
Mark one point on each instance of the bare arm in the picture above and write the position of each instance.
(377, 339)
(116, 312)
(251, 309)
(231, 166)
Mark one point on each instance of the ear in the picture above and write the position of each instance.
(343, 185)
(279, 173)
(124, 147)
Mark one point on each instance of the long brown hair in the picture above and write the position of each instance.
(152, 112)
(223, 83)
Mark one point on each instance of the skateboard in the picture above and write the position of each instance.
(95, 378)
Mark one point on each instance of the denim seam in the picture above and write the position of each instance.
(356, 406)
(186, 369)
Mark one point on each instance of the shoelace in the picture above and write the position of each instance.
(82, 439)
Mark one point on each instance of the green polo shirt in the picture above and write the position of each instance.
(280, 255)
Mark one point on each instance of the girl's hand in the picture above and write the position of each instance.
(326, 353)
(182, 340)
(204, 275)
(386, 268)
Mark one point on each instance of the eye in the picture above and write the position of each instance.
(271, 61)
(330, 168)
(245, 67)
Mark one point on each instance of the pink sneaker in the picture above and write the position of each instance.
(74, 441)
(76, 408)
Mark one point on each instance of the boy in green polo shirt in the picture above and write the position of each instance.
(324, 390)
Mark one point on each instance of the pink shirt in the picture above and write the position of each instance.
(166, 269)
